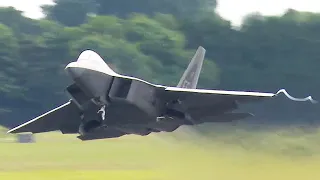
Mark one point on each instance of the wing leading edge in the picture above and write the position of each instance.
(220, 92)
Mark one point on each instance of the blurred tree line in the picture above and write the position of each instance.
(155, 40)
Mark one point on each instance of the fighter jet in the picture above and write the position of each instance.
(105, 104)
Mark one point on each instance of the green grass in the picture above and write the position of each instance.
(228, 154)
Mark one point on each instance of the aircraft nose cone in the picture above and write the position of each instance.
(74, 72)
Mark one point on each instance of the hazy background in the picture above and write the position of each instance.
(155, 40)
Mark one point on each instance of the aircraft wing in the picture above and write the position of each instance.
(196, 97)
(201, 103)
(204, 95)
(219, 92)
(65, 118)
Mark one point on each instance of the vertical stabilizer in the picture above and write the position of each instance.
(191, 75)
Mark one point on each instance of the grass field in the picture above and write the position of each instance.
(286, 154)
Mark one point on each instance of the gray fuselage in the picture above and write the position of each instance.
(128, 102)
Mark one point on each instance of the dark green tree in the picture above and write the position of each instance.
(179, 8)
(69, 12)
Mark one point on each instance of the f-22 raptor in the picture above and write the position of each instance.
(105, 104)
